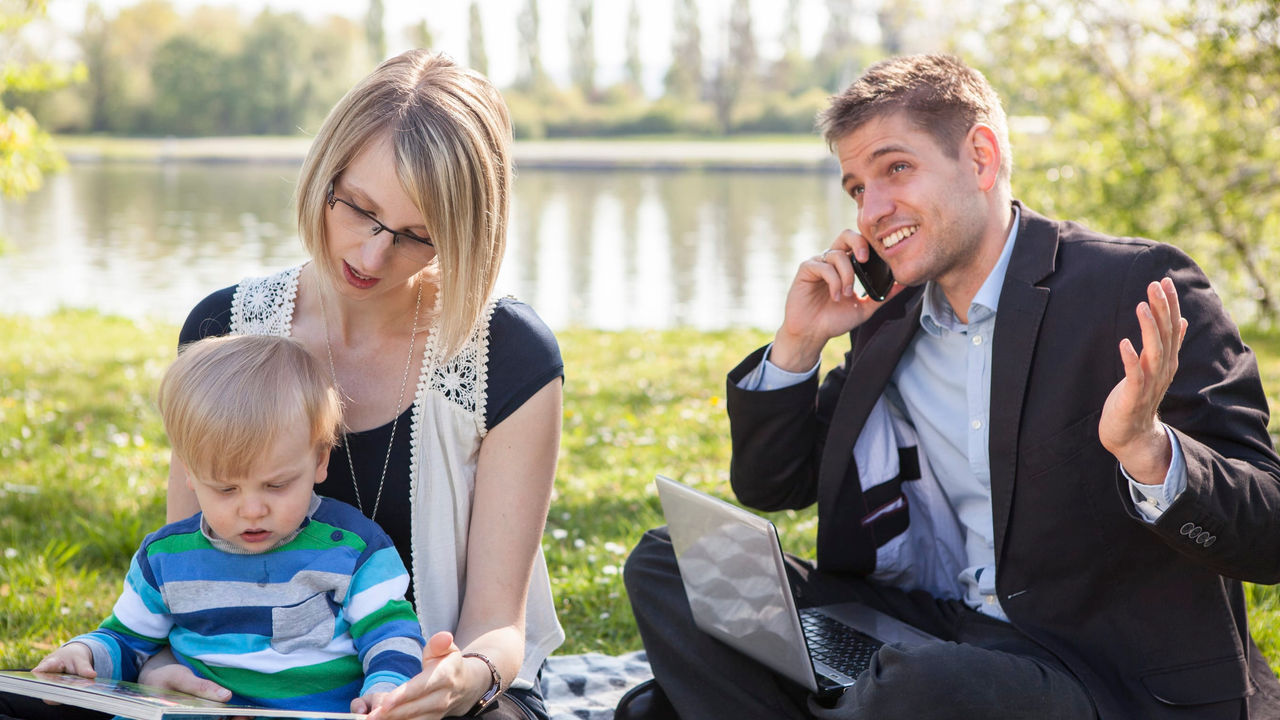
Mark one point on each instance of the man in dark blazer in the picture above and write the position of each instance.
(1085, 403)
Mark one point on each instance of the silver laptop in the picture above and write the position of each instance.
(731, 564)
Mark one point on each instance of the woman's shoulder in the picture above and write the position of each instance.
(210, 317)
(255, 304)
(515, 325)
(523, 357)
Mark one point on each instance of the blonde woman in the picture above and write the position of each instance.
(452, 401)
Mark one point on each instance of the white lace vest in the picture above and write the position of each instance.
(448, 426)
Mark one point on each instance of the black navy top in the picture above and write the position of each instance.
(523, 358)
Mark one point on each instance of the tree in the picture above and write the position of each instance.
(582, 47)
(531, 75)
(835, 63)
(736, 74)
(420, 35)
(477, 57)
(26, 151)
(1162, 124)
(189, 78)
(635, 66)
(790, 72)
(94, 45)
(684, 77)
(375, 34)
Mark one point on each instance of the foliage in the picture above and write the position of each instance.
(477, 55)
(1164, 123)
(84, 460)
(582, 46)
(26, 151)
(684, 76)
(208, 72)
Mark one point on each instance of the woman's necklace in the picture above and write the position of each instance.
(346, 441)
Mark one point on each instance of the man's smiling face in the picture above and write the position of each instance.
(919, 206)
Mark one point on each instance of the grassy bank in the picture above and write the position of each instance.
(641, 152)
(83, 461)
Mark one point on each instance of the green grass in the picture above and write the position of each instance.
(83, 463)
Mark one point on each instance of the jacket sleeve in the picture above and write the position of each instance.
(1225, 519)
(138, 627)
(384, 627)
(778, 437)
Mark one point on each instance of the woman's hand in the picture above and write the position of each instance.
(73, 658)
(440, 690)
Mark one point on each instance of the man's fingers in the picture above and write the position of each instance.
(1132, 364)
(820, 269)
(1152, 340)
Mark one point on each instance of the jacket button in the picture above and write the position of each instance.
(336, 535)
(1212, 539)
(1187, 528)
(1202, 537)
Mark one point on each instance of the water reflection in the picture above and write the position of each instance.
(603, 249)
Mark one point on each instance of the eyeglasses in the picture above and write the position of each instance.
(358, 221)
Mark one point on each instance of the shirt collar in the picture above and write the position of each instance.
(937, 314)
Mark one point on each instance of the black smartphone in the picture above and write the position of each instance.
(875, 276)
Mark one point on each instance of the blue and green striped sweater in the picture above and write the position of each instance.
(309, 625)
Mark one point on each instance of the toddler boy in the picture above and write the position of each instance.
(286, 599)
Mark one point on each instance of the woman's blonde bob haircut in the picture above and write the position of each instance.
(226, 399)
(452, 139)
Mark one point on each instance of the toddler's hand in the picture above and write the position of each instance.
(368, 703)
(73, 658)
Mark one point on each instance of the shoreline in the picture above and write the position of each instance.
(781, 154)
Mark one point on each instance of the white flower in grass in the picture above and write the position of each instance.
(579, 543)
(559, 533)
(10, 553)
(610, 569)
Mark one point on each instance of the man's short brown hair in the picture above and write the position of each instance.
(938, 93)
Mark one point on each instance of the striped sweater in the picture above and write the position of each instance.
(309, 625)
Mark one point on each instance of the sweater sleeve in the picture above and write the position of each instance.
(384, 627)
(137, 628)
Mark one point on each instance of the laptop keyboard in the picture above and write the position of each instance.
(836, 644)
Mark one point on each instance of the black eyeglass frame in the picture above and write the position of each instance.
(396, 235)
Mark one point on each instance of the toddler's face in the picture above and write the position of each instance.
(256, 511)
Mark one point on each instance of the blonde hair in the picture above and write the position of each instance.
(452, 139)
(939, 94)
(225, 400)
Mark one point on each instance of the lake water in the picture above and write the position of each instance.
(598, 249)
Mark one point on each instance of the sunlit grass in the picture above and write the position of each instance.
(83, 463)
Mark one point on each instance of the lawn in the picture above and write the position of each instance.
(83, 461)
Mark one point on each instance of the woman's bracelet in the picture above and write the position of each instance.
(491, 694)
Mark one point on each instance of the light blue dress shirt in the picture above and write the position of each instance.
(942, 385)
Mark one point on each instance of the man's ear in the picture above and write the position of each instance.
(322, 464)
(984, 151)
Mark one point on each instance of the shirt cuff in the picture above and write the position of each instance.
(1152, 500)
(767, 376)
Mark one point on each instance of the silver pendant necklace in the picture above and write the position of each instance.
(346, 441)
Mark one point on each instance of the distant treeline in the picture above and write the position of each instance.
(151, 70)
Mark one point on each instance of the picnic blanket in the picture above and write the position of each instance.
(588, 686)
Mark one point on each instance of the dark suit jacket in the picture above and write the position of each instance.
(1150, 617)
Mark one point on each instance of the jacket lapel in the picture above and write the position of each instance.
(1022, 308)
(873, 365)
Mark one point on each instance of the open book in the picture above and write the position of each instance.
(140, 702)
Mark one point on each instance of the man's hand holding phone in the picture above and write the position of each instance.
(822, 302)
